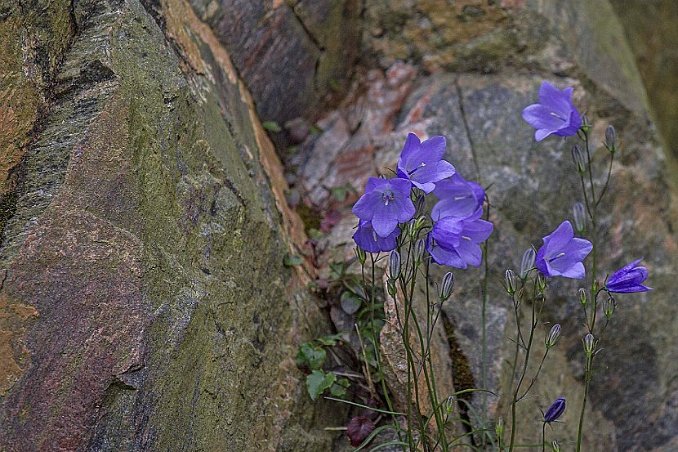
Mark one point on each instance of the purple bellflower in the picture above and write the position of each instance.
(386, 203)
(562, 254)
(555, 114)
(458, 198)
(628, 279)
(422, 163)
(455, 241)
(556, 410)
(367, 239)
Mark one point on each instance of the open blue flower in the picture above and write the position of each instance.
(562, 254)
(386, 203)
(422, 163)
(458, 197)
(555, 114)
(367, 239)
(455, 241)
(628, 279)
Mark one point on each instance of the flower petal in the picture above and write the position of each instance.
(367, 205)
(384, 221)
(470, 252)
(541, 117)
(442, 256)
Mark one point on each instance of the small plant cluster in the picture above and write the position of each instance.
(397, 235)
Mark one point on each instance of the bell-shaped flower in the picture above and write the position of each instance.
(422, 163)
(456, 241)
(562, 254)
(367, 239)
(555, 114)
(628, 279)
(386, 203)
(458, 197)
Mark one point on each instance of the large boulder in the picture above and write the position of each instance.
(145, 304)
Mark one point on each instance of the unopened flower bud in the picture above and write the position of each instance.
(553, 336)
(579, 214)
(419, 203)
(582, 296)
(394, 264)
(585, 123)
(589, 344)
(608, 307)
(446, 286)
(510, 281)
(555, 446)
(361, 255)
(527, 262)
(541, 283)
(419, 247)
(556, 410)
(610, 138)
(499, 428)
(391, 287)
(578, 159)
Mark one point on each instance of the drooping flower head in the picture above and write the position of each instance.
(628, 279)
(555, 114)
(556, 410)
(367, 239)
(386, 203)
(562, 254)
(422, 163)
(455, 242)
(459, 198)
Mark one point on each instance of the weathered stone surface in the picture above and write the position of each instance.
(300, 50)
(144, 302)
(650, 27)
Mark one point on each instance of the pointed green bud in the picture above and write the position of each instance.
(610, 138)
(579, 214)
(609, 306)
(360, 255)
(553, 336)
(419, 247)
(394, 264)
(589, 344)
(499, 428)
(527, 262)
(585, 123)
(510, 281)
(578, 159)
(446, 286)
(391, 287)
(582, 296)
(541, 283)
(555, 446)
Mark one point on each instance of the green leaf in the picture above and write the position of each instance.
(330, 340)
(271, 126)
(311, 356)
(338, 389)
(318, 381)
(290, 260)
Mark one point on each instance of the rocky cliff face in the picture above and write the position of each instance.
(145, 304)
(144, 301)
